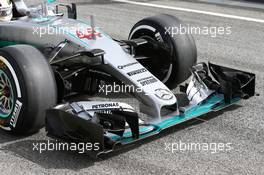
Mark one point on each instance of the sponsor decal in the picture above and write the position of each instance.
(163, 94)
(15, 114)
(105, 105)
(126, 65)
(147, 81)
(135, 72)
(89, 34)
(159, 37)
(104, 112)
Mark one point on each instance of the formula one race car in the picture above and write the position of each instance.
(49, 63)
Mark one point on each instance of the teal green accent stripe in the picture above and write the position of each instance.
(11, 43)
(7, 43)
(214, 103)
(51, 1)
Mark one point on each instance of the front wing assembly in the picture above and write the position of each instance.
(113, 125)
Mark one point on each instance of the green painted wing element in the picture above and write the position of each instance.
(51, 1)
(215, 103)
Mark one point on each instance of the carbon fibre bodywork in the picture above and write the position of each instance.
(117, 61)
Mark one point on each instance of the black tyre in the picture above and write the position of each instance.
(27, 89)
(169, 57)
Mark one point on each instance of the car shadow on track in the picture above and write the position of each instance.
(6, 137)
(75, 161)
(49, 159)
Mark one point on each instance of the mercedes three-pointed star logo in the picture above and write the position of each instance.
(163, 94)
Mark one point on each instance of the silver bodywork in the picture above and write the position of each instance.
(48, 32)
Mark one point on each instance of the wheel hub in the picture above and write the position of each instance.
(6, 92)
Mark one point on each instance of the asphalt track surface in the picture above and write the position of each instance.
(241, 125)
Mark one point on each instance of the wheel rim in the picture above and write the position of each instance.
(6, 95)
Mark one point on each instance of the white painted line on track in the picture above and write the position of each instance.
(192, 11)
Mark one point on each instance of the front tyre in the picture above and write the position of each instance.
(27, 89)
(168, 57)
